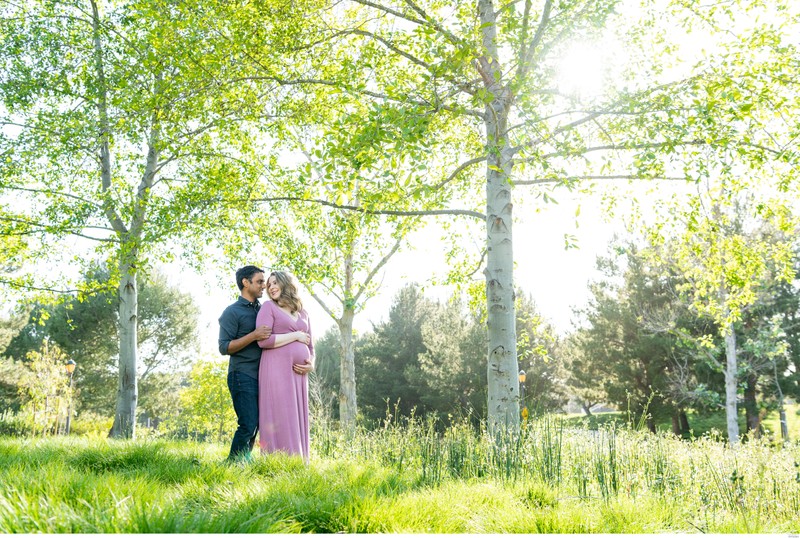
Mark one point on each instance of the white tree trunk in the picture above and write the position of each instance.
(348, 408)
(502, 360)
(127, 390)
(347, 372)
(127, 393)
(347, 369)
(503, 404)
(731, 387)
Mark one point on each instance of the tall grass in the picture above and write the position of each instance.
(756, 486)
(408, 476)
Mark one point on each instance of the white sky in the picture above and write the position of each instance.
(555, 277)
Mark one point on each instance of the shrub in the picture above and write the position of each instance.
(12, 425)
(91, 425)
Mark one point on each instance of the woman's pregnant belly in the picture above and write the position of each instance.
(296, 352)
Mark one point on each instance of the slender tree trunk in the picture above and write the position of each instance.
(731, 388)
(750, 404)
(684, 419)
(676, 425)
(46, 411)
(127, 389)
(127, 396)
(781, 408)
(587, 408)
(68, 421)
(784, 424)
(125, 416)
(347, 369)
(33, 419)
(348, 410)
(504, 404)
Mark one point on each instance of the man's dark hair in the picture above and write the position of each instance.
(246, 272)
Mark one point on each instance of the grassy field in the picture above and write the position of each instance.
(554, 478)
(701, 425)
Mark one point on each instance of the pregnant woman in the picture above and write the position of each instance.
(287, 357)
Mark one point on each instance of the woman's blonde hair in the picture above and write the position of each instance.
(289, 297)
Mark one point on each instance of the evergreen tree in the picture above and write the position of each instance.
(452, 370)
(617, 348)
(324, 382)
(541, 358)
(388, 357)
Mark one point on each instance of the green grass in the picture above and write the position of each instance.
(772, 422)
(554, 478)
(700, 424)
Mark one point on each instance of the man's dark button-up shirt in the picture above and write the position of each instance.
(238, 320)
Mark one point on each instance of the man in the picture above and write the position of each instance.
(238, 337)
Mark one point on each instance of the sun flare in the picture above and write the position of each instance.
(581, 70)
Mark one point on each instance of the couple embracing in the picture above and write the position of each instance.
(271, 354)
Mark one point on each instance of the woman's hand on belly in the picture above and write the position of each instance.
(302, 337)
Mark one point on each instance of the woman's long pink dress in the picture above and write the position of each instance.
(283, 394)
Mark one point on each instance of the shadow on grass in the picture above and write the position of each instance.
(153, 460)
(279, 493)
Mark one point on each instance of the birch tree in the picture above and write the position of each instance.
(120, 124)
(493, 67)
(351, 157)
(85, 329)
(726, 263)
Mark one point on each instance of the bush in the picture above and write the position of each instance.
(91, 425)
(12, 425)
(206, 412)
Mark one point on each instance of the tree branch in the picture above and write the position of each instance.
(56, 193)
(612, 147)
(58, 134)
(430, 212)
(105, 129)
(526, 59)
(458, 170)
(480, 263)
(44, 227)
(425, 21)
(566, 179)
(391, 11)
(376, 95)
(19, 286)
(608, 111)
(322, 304)
(377, 268)
(413, 59)
(437, 25)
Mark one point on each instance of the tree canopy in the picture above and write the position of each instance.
(135, 130)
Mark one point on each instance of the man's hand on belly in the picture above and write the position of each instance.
(303, 369)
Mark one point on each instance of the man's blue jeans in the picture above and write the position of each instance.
(244, 393)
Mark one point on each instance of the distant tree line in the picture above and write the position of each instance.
(640, 345)
(40, 335)
(427, 358)
(643, 344)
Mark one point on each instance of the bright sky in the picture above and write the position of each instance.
(555, 277)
